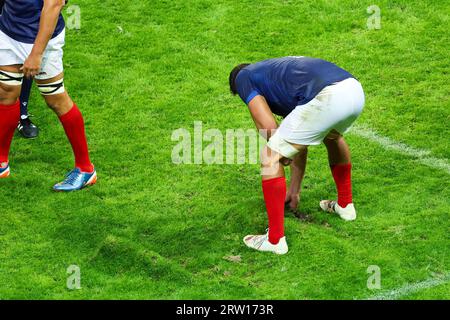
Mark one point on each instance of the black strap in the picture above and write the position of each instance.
(9, 77)
(55, 86)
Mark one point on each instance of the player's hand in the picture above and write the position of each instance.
(32, 65)
(292, 201)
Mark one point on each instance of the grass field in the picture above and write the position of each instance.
(151, 229)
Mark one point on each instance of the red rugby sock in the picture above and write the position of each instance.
(9, 118)
(274, 195)
(73, 124)
(342, 174)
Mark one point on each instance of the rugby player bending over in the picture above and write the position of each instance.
(319, 102)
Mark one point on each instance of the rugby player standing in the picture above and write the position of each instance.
(319, 102)
(32, 35)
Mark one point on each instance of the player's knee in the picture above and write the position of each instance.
(270, 163)
(333, 135)
(60, 103)
(269, 158)
(333, 139)
(57, 103)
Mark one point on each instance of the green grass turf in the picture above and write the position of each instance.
(153, 230)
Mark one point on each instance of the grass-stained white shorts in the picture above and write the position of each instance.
(15, 52)
(335, 108)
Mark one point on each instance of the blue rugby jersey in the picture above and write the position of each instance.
(287, 82)
(20, 20)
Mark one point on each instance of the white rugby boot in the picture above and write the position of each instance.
(262, 243)
(4, 170)
(348, 213)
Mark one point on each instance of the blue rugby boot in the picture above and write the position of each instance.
(76, 180)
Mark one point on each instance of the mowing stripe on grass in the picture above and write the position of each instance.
(408, 289)
(423, 156)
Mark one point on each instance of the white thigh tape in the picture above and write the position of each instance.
(11, 78)
(49, 89)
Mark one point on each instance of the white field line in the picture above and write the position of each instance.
(409, 289)
(422, 156)
(425, 158)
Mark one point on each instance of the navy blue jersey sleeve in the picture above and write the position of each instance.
(20, 20)
(245, 87)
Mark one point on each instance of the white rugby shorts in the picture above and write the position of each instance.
(335, 108)
(15, 52)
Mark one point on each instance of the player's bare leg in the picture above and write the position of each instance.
(10, 84)
(340, 163)
(338, 150)
(71, 118)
